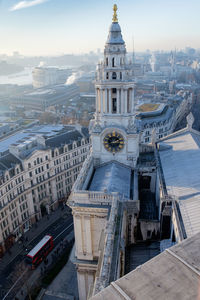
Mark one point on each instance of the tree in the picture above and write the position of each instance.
(48, 117)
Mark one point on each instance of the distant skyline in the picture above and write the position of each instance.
(54, 27)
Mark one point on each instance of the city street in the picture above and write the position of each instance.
(12, 266)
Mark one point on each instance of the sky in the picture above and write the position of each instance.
(54, 27)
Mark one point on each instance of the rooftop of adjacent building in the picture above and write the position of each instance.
(162, 113)
(47, 92)
(47, 130)
(54, 136)
(180, 156)
(174, 274)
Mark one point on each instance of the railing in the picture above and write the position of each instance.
(116, 249)
(102, 197)
(178, 217)
(86, 197)
(93, 197)
(104, 268)
(88, 163)
(179, 221)
(161, 174)
(133, 205)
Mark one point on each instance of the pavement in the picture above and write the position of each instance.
(65, 285)
(30, 235)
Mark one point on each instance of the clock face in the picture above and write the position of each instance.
(113, 142)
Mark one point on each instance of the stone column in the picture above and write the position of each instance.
(118, 108)
(135, 187)
(88, 237)
(125, 101)
(78, 235)
(132, 100)
(105, 101)
(81, 285)
(122, 101)
(97, 96)
(101, 97)
(110, 101)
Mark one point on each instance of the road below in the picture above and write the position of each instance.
(10, 273)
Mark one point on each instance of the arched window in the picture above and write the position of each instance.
(106, 61)
(113, 62)
(107, 75)
(114, 75)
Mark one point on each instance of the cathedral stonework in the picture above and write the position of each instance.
(114, 118)
(104, 198)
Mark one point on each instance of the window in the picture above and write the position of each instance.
(107, 75)
(114, 75)
(120, 75)
(29, 165)
(114, 90)
(113, 62)
(106, 61)
(114, 105)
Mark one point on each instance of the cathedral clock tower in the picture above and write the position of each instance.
(113, 131)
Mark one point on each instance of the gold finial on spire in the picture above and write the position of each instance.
(114, 19)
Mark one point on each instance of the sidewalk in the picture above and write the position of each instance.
(65, 285)
(30, 235)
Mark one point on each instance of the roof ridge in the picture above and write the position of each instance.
(183, 261)
(173, 134)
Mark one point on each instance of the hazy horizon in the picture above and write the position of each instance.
(50, 27)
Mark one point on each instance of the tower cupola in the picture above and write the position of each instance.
(115, 36)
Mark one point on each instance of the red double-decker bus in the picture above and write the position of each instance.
(40, 251)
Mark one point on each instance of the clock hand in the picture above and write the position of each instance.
(115, 142)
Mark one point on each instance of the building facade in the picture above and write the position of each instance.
(49, 76)
(36, 174)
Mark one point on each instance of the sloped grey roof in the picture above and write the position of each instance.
(174, 274)
(112, 177)
(67, 137)
(180, 159)
(8, 161)
(64, 138)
